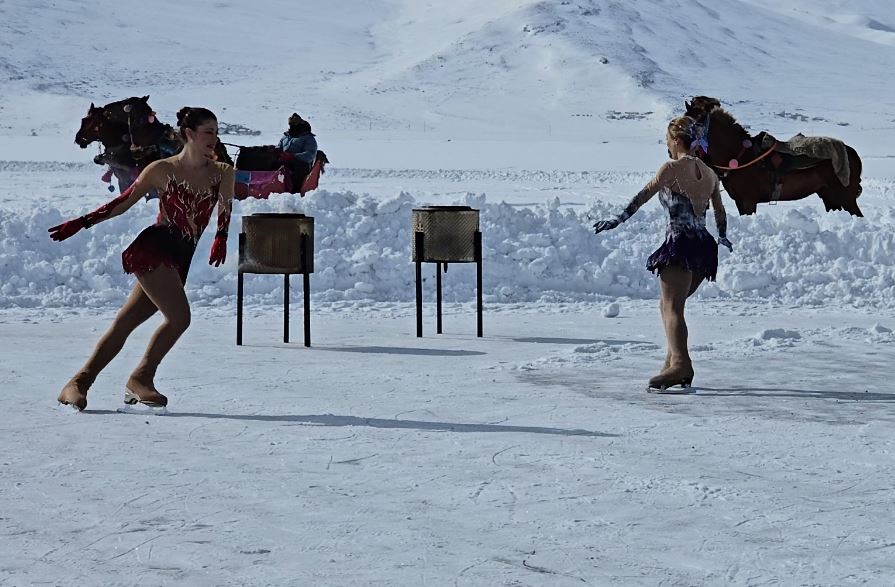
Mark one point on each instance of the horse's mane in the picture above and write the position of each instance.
(719, 114)
(124, 102)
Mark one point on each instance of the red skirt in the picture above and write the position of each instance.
(160, 244)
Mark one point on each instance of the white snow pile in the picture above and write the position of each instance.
(544, 253)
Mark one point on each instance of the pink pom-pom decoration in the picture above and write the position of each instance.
(733, 164)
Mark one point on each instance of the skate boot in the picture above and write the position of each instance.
(141, 396)
(674, 379)
(74, 393)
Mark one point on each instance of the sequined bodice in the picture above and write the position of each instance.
(187, 210)
(681, 216)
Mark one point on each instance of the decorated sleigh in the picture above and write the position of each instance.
(265, 170)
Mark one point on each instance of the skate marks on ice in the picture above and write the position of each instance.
(772, 340)
(593, 352)
(830, 374)
(795, 387)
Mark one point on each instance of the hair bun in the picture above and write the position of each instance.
(182, 114)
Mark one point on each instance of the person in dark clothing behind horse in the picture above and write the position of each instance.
(301, 146)
(689, 255)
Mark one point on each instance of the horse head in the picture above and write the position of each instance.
(700, 106)
(91, 125)
(717, 137)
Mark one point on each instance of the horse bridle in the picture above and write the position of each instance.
(150, 118)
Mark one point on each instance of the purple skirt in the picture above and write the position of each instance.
(693, 250)
(158, 245)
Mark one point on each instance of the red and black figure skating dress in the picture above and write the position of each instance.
(183, 216)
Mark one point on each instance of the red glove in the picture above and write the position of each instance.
(67, 229)
(218, 250)
(287, 156)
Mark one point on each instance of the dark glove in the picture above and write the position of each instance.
(218, 250)
(67, 229)
(723, 241)
(605, 225)
(287, 156)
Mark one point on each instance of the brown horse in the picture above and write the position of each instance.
(152, 139)
(754, 174)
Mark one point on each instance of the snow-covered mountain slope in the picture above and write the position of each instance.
(520, 68)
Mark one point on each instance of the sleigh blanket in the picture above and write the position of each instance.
(260, 184)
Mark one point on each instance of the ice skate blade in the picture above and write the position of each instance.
(131, 399)
(143, 410)
(672, 390)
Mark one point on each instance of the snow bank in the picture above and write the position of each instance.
(545, 253)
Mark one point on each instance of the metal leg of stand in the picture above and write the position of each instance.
(286, 308)
(306, 287)
(419, 240)
(239, 287)
(438, 297)
(478, 282)
(239, 308)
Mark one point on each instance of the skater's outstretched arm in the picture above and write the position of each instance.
(147, 181)
(660, 180)
(225, 208)
(720, 217)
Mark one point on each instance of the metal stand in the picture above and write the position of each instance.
(419, 238)
(306, 293)
(478, 282)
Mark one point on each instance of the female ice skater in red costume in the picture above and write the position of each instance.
(190, 185)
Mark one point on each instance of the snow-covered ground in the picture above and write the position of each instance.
(532, 456)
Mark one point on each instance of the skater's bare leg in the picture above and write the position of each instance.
(695, 281)
(135, 311)
(664, 307)
(662, 312)
(165, 289)
(676, 284)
